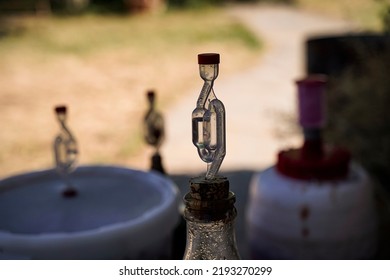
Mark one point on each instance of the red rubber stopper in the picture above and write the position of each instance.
(208, 58)
(69, 193)
(150, 93)
(60, 109)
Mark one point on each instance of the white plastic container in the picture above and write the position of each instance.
(297, 219)
(118, 213)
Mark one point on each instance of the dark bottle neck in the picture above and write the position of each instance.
(312, 148)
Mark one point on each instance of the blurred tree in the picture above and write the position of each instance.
(126, 6)
(193, 3)
(144, 5)
(358, 102)
(108, 6)
(17, 6)
(203, 3)
(386, 19)
(70, 6)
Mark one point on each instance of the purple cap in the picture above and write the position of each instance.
(311, 101)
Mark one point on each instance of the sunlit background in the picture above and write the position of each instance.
(100, 57)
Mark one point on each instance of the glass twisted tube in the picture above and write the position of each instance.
(65, 147)
(154, 132)
(208, 122)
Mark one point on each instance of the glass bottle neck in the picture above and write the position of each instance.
(212, 240)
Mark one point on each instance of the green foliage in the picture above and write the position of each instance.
(207, 3)
(107, 6)
(365, 13)
(386, 19)
(358, 104)
(193, 3)
(6, 5)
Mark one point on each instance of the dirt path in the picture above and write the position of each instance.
(253, 98)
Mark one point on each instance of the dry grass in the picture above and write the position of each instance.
(101, 68)
(366, 13)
